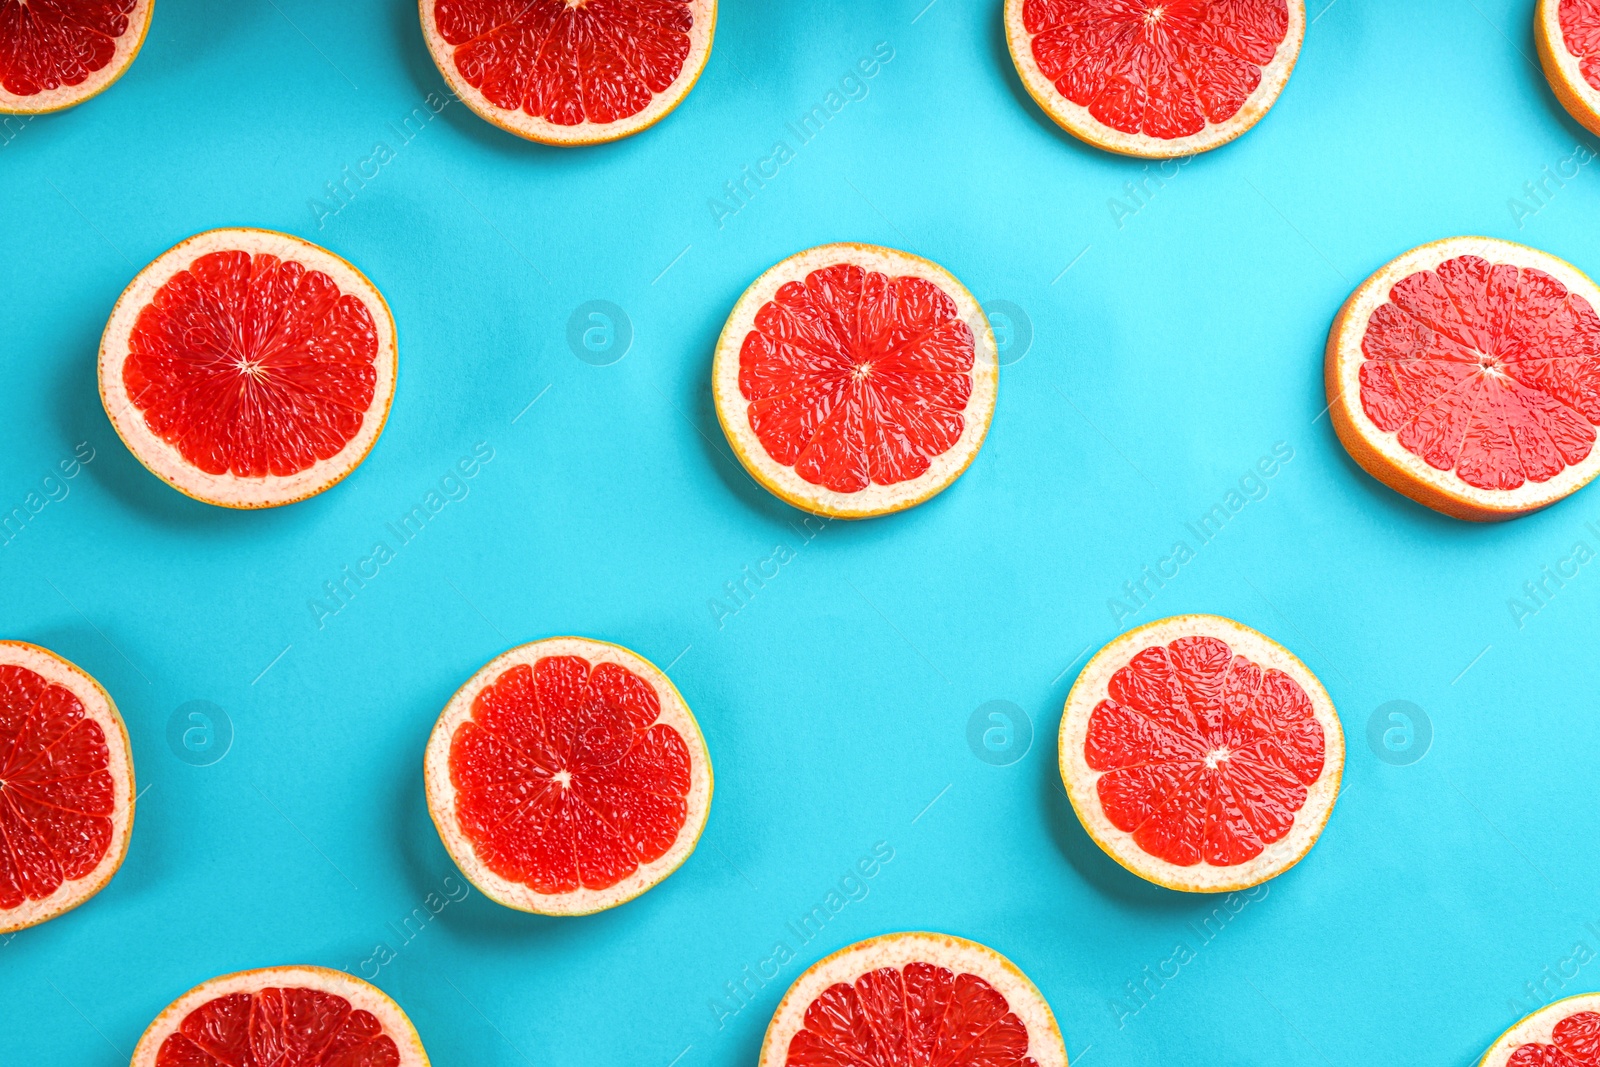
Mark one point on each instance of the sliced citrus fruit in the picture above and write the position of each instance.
(570, 72)
(1466, 375)
(1201, 755)
(1568, 35)
(57, 53)
(568, 776)
(853, 380)
(248, 368)
(913, 999)
(1155, 78)
(282, 1017)
(66, 786)
(1565, 1033)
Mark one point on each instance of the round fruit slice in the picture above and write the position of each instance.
(66, 786)
(282, 1017)
(570, 72)
(568, 776)
(854, 380)
(1568, 35)
(57, 53)
(1466, 375)
(1563, 1034)
(1201, 755)
(1155, 78)
(915, 999)
(249, 369)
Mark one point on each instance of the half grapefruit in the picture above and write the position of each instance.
(568, 776)
(853, 380)
(248, 368)
(1201, 755)
(1466, 375)
(1568, 35)
(1155, 78)
(57, 53)
(570, 72)
(282, 1017)
(1563, 1034)
(917, 999)
(66, 786)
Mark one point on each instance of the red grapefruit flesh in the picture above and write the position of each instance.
(249, 369)
(853, 380)
(1200, 754)
(1567, 33)
(913, 1000)
(57, 53)
(1155, 78)
(568, 776)
(1466, 374)
(282, 1017)
(1563, 1034)
(570, 73)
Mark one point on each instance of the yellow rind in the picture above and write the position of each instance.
(116, 76)
(1581, 100)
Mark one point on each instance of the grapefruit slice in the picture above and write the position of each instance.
(853, 380)
(1201, 755)
(1466, 375)
(249, 369)
(914, 998)
(1155, 78)
(570, 72)
(57, 53)
(66, 786)
(1568, 35)
(282, 1017)
(1565, 1033)
(568, 776)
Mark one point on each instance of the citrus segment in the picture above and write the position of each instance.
(57, 53)
(1565, 1033)
(1567, 33)
(1199, 754)
(66, 786)
(248, 368)
(570, 73)
(1155, 78)
(850, 379)
(568, 776)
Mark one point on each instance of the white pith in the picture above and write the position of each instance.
(1081, 780)
(1568, 67)
(733, 408)
(65, 96)
(442, 793)
(1077, 120)
(1538, 1028)
(164, 460)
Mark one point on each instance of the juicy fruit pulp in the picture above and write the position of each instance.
(45, 44)
(1576, 1044)
(921, 1015)
(855, 378)
(1489, 370)
(57, 794)
(252, 365)
(1580, 31)
(598, 61)
(1163, 68)
(1207, 756)
(279, 1028)
(564, 779)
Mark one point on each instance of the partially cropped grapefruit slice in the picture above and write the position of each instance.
(570, 72)
(248, 368)
(1155, 78)
(66, 786)
(1568, 35)
(57, 53)
(917, 999)
(1201, 755)
(853, 380)
(282, 1017)
(568, 776)
(1466, 375)
(1563, 1034)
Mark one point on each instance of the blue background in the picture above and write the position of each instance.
(1181, 346)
